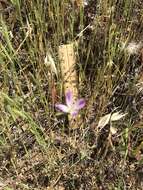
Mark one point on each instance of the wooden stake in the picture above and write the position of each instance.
(69, 75)
(68, 63)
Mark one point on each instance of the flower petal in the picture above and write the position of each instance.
(74, 113)
(62, 107)
(79, 104)
(69, 98)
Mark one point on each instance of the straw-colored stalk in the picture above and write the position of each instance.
(79, 3)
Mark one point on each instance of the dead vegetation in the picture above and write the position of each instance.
(38, 149)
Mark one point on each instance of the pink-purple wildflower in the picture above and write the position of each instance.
(72, 107)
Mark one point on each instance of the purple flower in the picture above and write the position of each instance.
(72, 107)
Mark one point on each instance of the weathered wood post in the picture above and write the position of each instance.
(69, 76)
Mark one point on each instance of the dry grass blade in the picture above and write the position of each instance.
(49, 62)
(104, 120)
(117, 116)
(109, 118)
(39, 149)
(2, 184)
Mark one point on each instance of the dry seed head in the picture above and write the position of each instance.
(132, 48)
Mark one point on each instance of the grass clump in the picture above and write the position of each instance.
(38, 149)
